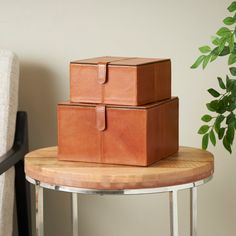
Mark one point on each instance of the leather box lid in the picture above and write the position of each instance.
(120, 61)
(147, 106)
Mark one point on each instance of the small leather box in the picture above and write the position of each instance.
(120, 80)
(117, 134)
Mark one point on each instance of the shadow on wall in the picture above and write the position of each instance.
(38, 96)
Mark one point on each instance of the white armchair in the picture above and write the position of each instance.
(13, 146)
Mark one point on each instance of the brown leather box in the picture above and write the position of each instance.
(117, 134)
(120, 80)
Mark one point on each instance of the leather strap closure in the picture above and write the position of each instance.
(103, 69)
(102, 72)
(101, 117)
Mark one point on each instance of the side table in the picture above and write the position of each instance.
(187, 169)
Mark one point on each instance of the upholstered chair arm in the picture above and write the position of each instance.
(20, 146)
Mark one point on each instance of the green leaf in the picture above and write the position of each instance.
(221, 133)
(232, 105)
(229, 83)
(232, 7)
(230, 134)
(204, 49)
(222, 46)
(223, 52)
(229, 20)
(212, 106)
(220, 118)
(230, 118)
(234, 51)
(198, 62)
(205, 61)
(231, 42)
(207, 118)
(203, 129)
(222, 105)
(223, 32)
(231, 59)
(215, 40)
(213, 57)
(205, 140)
(227, 144)
(208, 105)
(232, 96)
(215, 51)
(213, 137)
(221, 83)
(232, 71)
(213, 92)
(218, 122)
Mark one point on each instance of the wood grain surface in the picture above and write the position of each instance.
(188, 165)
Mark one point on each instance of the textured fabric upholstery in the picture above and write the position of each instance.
(9, 80)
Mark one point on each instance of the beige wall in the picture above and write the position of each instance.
(46, 35)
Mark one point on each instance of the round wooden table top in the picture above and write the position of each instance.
(187, 166)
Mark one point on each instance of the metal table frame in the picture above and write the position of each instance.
(173, 190)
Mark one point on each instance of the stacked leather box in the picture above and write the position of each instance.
(120, 112)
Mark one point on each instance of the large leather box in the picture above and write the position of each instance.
(113, 134)
(120, 80)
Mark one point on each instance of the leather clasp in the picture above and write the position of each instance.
(101, 117)
(102, 72)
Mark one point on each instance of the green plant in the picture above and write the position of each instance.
(221, 122)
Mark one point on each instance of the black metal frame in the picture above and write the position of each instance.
(15, 157)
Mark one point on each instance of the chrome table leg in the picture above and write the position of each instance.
(74, 206)
(39, 210)
(193, 211)
(174, 231)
